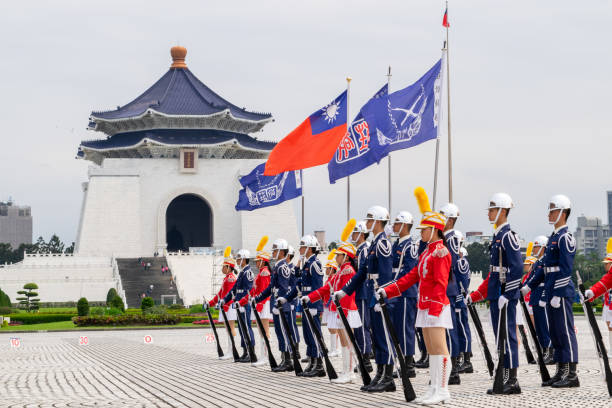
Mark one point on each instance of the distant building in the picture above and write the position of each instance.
(15, 224)
(609, 207)
(320, 236)
(591, 235)
(476, 236)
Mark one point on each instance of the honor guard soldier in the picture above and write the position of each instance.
(378, 272)
(240, 290)
(279, 286)
(310, 279)
(463, 327)
(405, 258)
(228, 282)
(540, 316)
(506, 271)
(295, 272)
(559, 293)
(362, 333)
(451, 212)
(604, 287)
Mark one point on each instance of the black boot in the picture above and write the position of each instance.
(410, 366)
(244, 358)
(386, 383)
(569, 379)
(305, 360)
(506, 377)
(289, 362)
(367, 364)
(283, 364)
(309, 367)
(466, 367)
(555, 377)
(376, 379)
(423, 361)
(454, 376)
(316, 370)
(549, 357)
(512, 386)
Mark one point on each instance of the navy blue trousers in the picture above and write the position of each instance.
(562, 332)
(245, 318)
(362, 334)
(463, 330)
(312, 347)
(381, 337)
(404, 318)
(540, 319)
(511, 359)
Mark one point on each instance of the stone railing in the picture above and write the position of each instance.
(117, 278)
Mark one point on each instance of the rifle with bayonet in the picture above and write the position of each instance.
(294, 348)
(271, 358)
(365, 376)
(481, 334)
(329, 367)
(229, 333)
(214, 329)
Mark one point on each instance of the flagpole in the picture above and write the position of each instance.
(448, 113)
(389, 155)
(348, 123)
(302, 202)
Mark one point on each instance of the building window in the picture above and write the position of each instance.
(3, 210)
(189, 161)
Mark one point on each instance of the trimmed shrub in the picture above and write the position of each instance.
(176, 306)
(191, 319)
(5, 300)
(197, 309)
(4, 323)
(117, 303)
(110, 296)
(127, 320)
(146, 303)
(5, 310)
(34, 318)
(157, 310)
(82, 307)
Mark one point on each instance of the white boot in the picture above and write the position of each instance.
(441, 393)
(347, 371)
(334, 352)
(262, 355)
(433, 377)
(610, 334)
(228, 351)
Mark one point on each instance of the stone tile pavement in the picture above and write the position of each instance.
(180, 369)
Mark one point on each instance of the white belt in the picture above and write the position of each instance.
(541, 285)
(372, 276)
(498, 268)
(549, 269)
(306, 287)
(395, 270)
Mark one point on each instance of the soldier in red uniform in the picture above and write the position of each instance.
(228, 282)
(434, 311)
(604, 287)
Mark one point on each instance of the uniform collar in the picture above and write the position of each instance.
(499, 228)
(311, 256)
(560, 228)
(449, 232)
(364, 243)
(281, 262)
(404, 238)
(433, 243)
(381, 233)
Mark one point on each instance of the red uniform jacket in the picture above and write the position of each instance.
(522, 282)
(326, 297)
(432, 273)
(335, 283)
(604, 285)
(262, 281)
(228, 282)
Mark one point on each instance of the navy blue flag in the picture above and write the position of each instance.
(354, 152)
(407, 117)
(260, 191)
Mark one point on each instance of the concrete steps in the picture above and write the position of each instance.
(135, 280)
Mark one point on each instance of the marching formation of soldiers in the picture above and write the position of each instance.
(383, 299)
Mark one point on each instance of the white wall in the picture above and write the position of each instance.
(195, 276)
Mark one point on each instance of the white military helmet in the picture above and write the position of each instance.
(558, 202)
(404, 217)
(309, 241)
(460, 236)
(280, 244)
(500, 200)
(463, 251)
(243, 254)
(360, 228)
(540, 241)
(377, 213)
(450, 210)
(290, 250)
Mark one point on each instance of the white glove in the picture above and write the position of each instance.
(431, 321)
(206, 305)
(589, 294)
(555, 302)
(221, 302)
(542, 303)
(468, 300)
(305, 299)
(242, 309)
(313, 312)
(377, 308)
(339, 294)
(292, 307)
(275, 310)
(282, 300)
(525, 290)
(502, 301)
(381, 293)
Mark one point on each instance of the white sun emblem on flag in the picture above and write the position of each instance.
(331, 111)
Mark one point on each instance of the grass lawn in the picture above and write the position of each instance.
(71, 326)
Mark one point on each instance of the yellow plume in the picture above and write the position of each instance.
(609, 246)
(331, 255)
(422, 200)
(529, 250)
(348, 229)
(262, 243)
(227, 252)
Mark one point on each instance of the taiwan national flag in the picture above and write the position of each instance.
(312, 143)
(356, 150)
(259, 191)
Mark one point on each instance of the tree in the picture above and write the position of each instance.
(29, 300)
(590, 267)
(117, 303)
(70, 249)
(146, 303)
(5, 300)
(83, 307)
(110, 296)
(55, 245)
(479, 258)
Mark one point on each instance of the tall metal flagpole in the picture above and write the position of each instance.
(389, 155)
(348, 124)
(302, 202)
(448, 113)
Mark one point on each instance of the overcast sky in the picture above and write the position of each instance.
(530, 86)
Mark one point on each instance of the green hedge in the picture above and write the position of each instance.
(34, 318)
(126, 320)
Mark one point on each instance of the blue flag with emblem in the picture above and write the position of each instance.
(407, 117)
(354, 153)
(259, 191)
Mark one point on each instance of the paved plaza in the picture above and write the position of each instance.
(180, 368)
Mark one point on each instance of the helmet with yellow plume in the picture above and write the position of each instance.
(260, 253)
(431, 219)
(608, 258)
(227, 257)
(529, 259)
(346, 247)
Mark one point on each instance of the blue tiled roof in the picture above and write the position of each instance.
(177, 137)
(179, 92)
